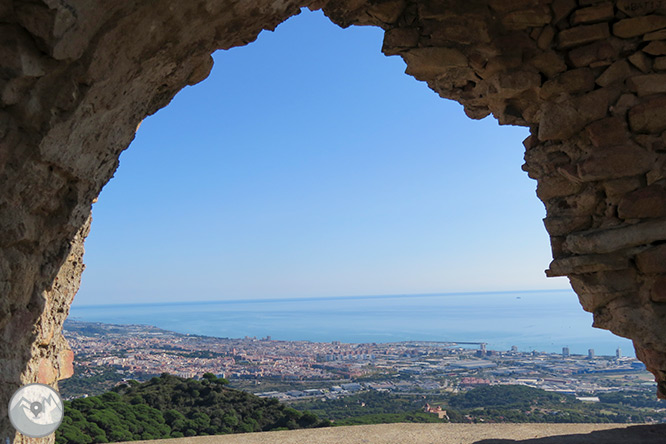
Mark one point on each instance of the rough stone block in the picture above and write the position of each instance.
(437, 9)
(656, 48)
(561, 9)
(619, 187)
(559, 226)
(648, 84)
(201, 70)
(648, 202)
(504, 7)
(660, 64)
(649, 116)
(658, 292)
(641, 61)
(66, 364)
(596, 290)
(595, 105)
(607, 132)
(527, 18)
(562, 120)
(424, 63)
(387, 11)
(658, 171)
(575, 81)
(557, 247)
(511, 84)
(546, 37)
(652, 260)
(550, 187)
(502, 63)
(635, 8)
(617, 72)
(615, 162)
(608, 240)
(559, 121)
(657, 35)
(623, 104)
(633, 27)
(613, 281)
(564, 210)
(595, 52)
(459, 30)
(581, 35)
(593, 14)
(549, 63)
(46, 374)
(587, 264)
(400, 39)
(516, 40)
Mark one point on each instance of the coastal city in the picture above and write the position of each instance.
(294, 370)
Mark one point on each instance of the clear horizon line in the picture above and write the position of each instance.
(322, 298)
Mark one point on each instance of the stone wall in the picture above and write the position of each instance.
(587, 77)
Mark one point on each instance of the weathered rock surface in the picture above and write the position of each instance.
(77, 76)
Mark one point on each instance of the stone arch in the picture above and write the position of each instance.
(587, 78)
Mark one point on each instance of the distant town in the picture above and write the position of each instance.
(297, 370)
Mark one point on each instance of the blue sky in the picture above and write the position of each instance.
(308, 164)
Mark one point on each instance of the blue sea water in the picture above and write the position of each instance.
(531, 320)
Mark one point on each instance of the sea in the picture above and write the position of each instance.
(530, 320)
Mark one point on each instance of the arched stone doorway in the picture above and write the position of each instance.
(587, 78)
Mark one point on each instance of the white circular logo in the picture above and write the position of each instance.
(36, 410)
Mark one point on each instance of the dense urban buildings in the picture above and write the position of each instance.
(335, 368)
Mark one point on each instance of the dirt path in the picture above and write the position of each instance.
(448, 434)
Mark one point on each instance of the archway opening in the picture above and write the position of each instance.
(584, 79)
(323, 171)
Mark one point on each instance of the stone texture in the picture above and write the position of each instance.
(657, 48)
(546, 37)
(641, 61)
(610, 240)
(634, 27)
(658, 295)
(652, 260)
(657, 35)
(616, 72)
(581, 35)
(556, 186)
(660, 64)
(635, 8)
(648, 84)
(598, 52)
(587, 264)
(610, 131)
(423, 63)
(562, 9)
(598, 13)
(649, 116)
(570, 82)
(526, 18)
(76, 79)
(648, 202)
(597, 289)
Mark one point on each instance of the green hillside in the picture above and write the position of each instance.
(173, 407)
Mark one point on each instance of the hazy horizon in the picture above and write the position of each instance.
(532, 320)
(323, 298)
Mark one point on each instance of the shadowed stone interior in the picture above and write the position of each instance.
(587, 77)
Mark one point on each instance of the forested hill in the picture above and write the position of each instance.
(173, 407)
